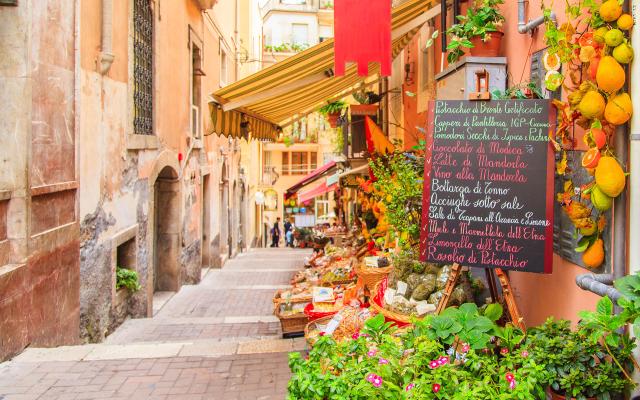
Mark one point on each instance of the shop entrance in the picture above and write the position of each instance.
(206, 222)
(224, 211)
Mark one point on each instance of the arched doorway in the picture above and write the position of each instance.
(166, 231)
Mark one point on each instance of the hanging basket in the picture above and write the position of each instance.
(333, 119)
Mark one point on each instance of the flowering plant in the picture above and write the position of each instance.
(382, 363)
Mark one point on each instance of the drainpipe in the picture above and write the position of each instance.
(529, 27)
(106, 54)
(599, 284)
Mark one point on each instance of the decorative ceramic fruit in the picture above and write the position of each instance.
(610, 76)
(623, 53)
(593, 257)
(619, 109)
(610, 10)
(610, 177)
(551, 62)
(592, 105)
(600, 201)
(590, 158)
(614, 37)
(625, 22)
(553, 80)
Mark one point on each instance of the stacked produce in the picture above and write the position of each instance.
(594, 47)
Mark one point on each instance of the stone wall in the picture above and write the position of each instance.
(39, 235)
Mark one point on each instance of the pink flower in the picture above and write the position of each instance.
(504, 350)
(409, 387)
(355, 336)
(433, 364)
(525, 354)
(372, 353)
(512, 384)
(436, 387)
(383, 361)
(375, 380)
(443, 360)
(322, 333)
(465, 348)
(509, 377)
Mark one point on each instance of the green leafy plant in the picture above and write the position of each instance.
(578, 366)
(127, 278)
(286, 48)
(399, 187)
(481, 20)
(335, 107)
(525, 90)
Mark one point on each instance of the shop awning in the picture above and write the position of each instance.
(310, 178)
(239, 125)
(304, 82)
(307, 195)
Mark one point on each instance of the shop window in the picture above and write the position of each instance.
(143, 67)
(196, 81)
(314, 161)
(285, 163)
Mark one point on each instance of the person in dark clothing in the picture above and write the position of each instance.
(275, 235)
(287, 228)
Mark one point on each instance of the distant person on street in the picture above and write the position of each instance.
(288, 235)
(275, 233)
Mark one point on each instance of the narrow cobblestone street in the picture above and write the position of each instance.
(215, 340)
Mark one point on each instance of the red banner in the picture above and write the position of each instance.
(362, 35)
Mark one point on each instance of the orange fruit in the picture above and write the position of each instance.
(619, 109)
(599, 137)
(610, 176)
(625, 22)
(593, 257)
(610, 75)
(610, 10)
(551, 62)
(592, 105)
(590, 158)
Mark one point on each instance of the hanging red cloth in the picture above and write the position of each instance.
(362, 30)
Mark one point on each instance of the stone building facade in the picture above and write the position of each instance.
(108, 159)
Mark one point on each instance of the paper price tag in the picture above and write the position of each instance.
(333, 324)
(402, 288)
(422, 307)
(388, 295)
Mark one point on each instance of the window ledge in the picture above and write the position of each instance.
(142, 142)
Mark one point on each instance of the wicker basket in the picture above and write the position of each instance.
(372, 276)
(291, 324)
(311, 325)
(400, 319)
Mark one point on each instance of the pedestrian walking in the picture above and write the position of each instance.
(275, 233)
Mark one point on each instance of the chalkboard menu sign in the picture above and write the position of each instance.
(488, 192)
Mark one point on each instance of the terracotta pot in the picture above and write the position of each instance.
(490, 48)
(364, 109)
(555, 396)
(333, 119)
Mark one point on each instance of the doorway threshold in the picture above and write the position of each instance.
(160, 299)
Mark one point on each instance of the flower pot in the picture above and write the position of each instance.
(490, 48)
(555, 396)
(333, 119)
(364, 109)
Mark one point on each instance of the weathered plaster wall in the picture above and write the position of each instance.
(39, 274)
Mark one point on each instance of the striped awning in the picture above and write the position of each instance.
(239, 125)
(304, 82)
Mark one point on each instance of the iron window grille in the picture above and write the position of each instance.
(143, 67)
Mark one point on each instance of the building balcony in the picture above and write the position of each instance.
(300, 6)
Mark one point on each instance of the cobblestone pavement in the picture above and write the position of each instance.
(215, 340)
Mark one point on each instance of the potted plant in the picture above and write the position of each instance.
(333, 111)
(478, 31)
(579, 367)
